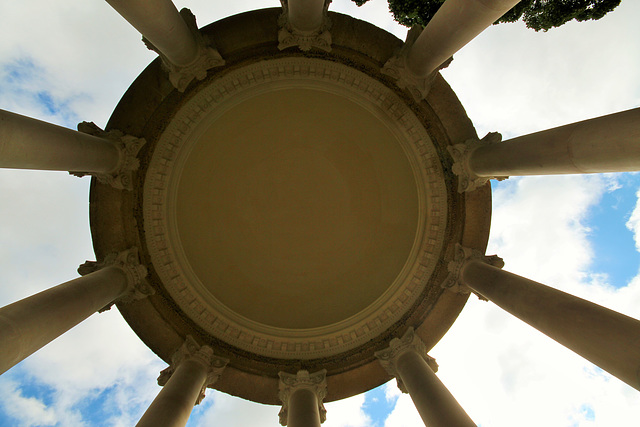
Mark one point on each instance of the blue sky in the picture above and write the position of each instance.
(69, 61)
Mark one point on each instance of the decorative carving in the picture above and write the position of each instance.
(398, 346)
(222, 323)
(208, 56)
(461, 153)
(129, 262)
(462, 255)
(191, 350)
(397, 68)
(289, 383)
(289, 36)
(128, 148)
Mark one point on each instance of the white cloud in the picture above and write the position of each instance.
(502, 370)
(404, 414)
(633, 223)
(347, 413)
(28, 410)
(517, 81)
(234, 412)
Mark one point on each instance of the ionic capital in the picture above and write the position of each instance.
(208, 56)
(388, 357)
(462, 256)
(128, 147)
(129, 262)
(288, 36)
(397, 67)
(191, 350)
(289, 383)
(461, 153)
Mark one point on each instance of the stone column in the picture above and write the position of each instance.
(305, 24)
(426, 51)
(604, 337)
(455, 24)
(193, 368)
(407, 360)
(306, 15)
(174, 35)
(29, 324)
(605, 144)
(160, 22)
(27, 143)
(301, 397)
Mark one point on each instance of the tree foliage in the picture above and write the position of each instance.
(536, 14)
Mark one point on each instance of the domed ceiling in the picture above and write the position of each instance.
(295, 210)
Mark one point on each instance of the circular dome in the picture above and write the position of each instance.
(294, 210)
(292, 202)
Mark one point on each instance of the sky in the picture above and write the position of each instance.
(70, 61)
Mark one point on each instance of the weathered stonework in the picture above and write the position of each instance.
(289, 37)
(463, 255)
(397, 68)
(467, 179)
(191, 350)
(129, 262)
(128, 148)
(208, 56)
(398, 346)
(289, 383)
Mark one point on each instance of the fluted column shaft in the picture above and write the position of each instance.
(173, 405)
(29, 324)
(27, 143)
(605, 144)
(435, 404)
(606, 338)
(306, 15)
(160, 22)
(455, 24)
(303, 409)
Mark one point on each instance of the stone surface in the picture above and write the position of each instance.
(455, 267)
(129, 262)
(408, 342)
(248, 42)
(289, 36)
(461, 153)
(398, 68)
(204, 355)
(290, 384)
(207, 56)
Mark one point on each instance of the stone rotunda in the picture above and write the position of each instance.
(291, 206)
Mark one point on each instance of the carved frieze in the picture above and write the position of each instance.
(262, 339)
